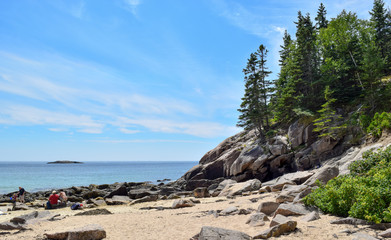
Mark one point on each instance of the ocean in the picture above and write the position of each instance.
(37, 176)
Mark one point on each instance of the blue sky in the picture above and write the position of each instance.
(132, 80)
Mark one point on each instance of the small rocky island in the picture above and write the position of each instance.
(64, 162)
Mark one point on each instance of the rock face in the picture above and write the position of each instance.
(244, 156)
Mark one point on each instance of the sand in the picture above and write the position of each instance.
(130, 222)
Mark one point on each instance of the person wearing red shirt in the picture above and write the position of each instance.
(53, 200)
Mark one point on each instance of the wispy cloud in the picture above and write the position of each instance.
(147, 141)
(63, 94)
(132, 5)
(27, 115)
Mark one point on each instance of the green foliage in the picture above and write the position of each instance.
(327, 124)
(255, 110)
(345, 56)
(365, 193)
(379, 123)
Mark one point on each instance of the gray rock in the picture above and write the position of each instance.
(312, 216)
(119, 191)
(291, 209)
(386, 234)
(150, 198)
(229, 211)
(322, 145)
(295, 134)
(363, 236)
(201, 192)
(89, 232)
(268, 208)
(289, 192)
(102, 211)
(118, 200)
(11, 226)
(277, 230)
(257, 219)
(279, 219)
(181, 203)
(351, 221)
(213, 233)
(140, 193)
(239, 188)
(324, 174)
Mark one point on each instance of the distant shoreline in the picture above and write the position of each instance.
(65, 162)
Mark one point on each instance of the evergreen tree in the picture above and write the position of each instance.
(321, 21)
(255, 112)
(380, 19)
(327, 123)
(342, 51)
(306, 55)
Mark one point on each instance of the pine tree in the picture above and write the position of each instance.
(307, 63)
(255, 109)
(327, 123)
(380, 19)
(321, 21)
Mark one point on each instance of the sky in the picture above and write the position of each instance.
(133, 80)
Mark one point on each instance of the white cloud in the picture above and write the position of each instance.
(199, 129)
(280, 30)
(128, 131)
(76, 96)
(132, 5)
(27, 115)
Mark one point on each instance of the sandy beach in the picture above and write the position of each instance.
(131, 222)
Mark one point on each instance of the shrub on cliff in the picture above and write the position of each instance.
(365, 193)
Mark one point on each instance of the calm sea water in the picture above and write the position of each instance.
(36, 176)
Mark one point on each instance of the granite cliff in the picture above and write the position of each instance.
(244, 156)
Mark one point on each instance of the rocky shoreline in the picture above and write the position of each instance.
(286, 168)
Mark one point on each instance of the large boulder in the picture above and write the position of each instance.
(239, 188)
(324, 174)
(214, 233)
(291, 209)
(246, 159)
(119, 191)
(268, 208)
(295, 134)
(140, 193)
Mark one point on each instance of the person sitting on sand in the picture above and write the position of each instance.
(53, 200)
(63, 198)
(21, 194)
